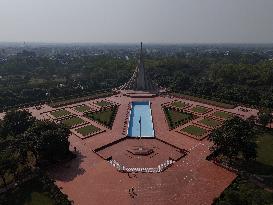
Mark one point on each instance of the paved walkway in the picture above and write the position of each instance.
(192, 180)
(89, 179)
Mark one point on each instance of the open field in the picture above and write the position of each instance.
(103, 103)
(60, 113)
(71, 122)
(265, 148)
(200, 109)
(244, 192)
(194, 130)
(264, 162)
(210, 122)
(86, 130)
(222, 114)
(82, 108)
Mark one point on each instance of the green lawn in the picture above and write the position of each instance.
(244, 192)
(179, 104)
(86, 130)
(194, 130)
(222, 114)
(30, 193)
(82, 108)
(73, 121)
(105, 117)
(265, 148)
(176, 118)
(210, 122)
(199, 109)
(60, 113)
(103, 103)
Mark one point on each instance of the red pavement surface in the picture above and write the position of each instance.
(89, 179)
(121, 153)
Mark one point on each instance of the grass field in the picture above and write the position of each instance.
(222, 114)
(82, 108)
(73, 121)
(176, 118)
(30, 193)
(244, 192)
(103, 103)
(265, 148)
(60, 113)
(210, 122)
(105, 117)
(194, 130)
(86, 130)
(179, 104)
(199, 109)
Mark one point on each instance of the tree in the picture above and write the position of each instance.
(234, 137)
(3, 169)
(16, 122)
(49, 141)
(265, 117)
(5, 165)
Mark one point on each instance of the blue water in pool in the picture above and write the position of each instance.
(141, 110)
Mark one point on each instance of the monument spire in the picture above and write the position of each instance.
(140, 80)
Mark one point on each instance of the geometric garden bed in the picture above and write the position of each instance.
(105, 117)
(87, 131)
(176, 118)
(194, 131)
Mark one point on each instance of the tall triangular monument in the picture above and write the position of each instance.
(140, 80)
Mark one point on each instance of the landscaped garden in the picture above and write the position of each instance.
(72, 122)
(104, 103)
(82, 108)
(222, 114)
(200, 109)
(179, 104)
(176, 118)
(105, 116)
(210, 122)
(194, 130)
(60, 113)
(87, 130)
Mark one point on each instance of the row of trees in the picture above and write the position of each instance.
(28, 79)
(220, 79)
(237, 78)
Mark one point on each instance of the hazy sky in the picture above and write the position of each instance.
(161, 21)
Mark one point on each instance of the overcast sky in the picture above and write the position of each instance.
(150, 21)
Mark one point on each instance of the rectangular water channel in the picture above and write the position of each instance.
(141, 121)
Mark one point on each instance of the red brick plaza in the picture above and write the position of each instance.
(91, 179)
